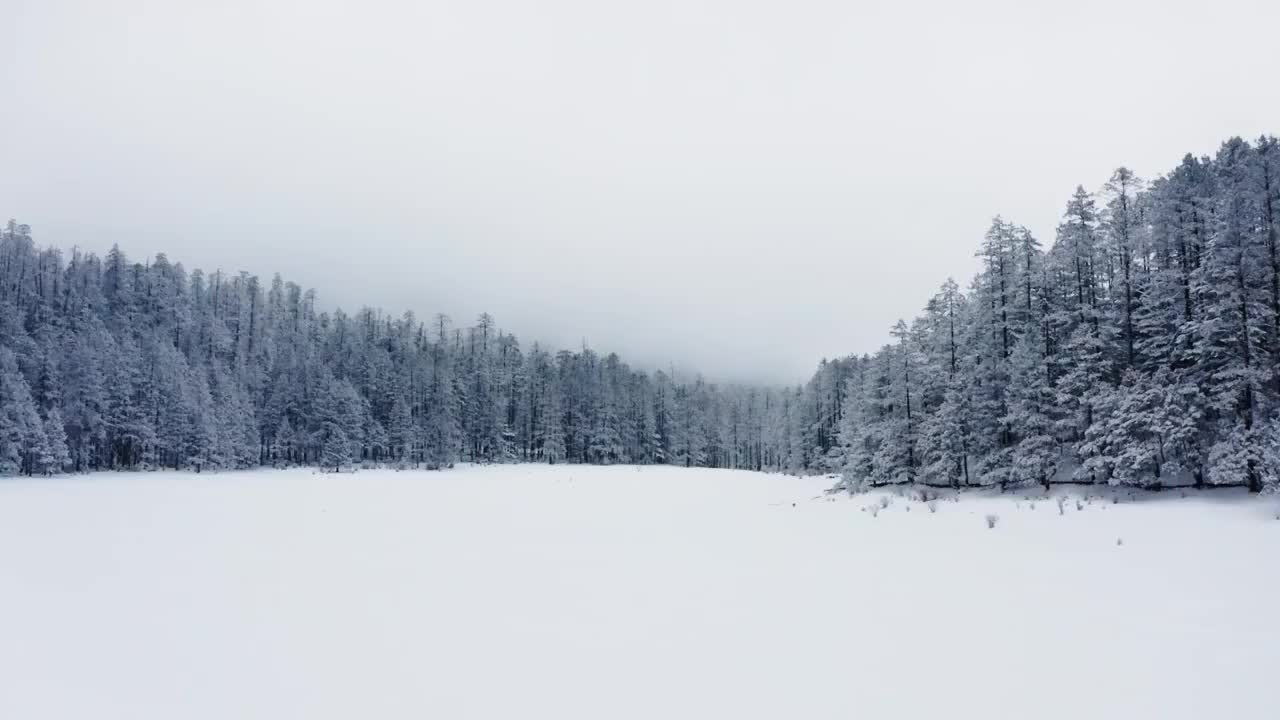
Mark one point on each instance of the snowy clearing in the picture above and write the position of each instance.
(617, 592)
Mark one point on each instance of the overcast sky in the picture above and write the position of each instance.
(737, 187)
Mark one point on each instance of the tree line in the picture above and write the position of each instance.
(1140, 349)
(110, 364)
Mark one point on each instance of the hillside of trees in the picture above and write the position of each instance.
(109, 364)
(1141, 348)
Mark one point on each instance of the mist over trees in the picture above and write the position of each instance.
(106, 363)
(1139, 348)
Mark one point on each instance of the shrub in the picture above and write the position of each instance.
(933, 507)
(992, 520)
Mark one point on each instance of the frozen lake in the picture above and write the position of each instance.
(588, 592)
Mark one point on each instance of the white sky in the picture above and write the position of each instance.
(737, 187)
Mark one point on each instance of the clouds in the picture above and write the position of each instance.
(738, 187)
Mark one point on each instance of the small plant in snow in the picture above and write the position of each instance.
(1062, 502)
(1033, 504)
(933, 507)
(1119, 542)
(1079, 505)
(874, 510)
(992, 520)
(885, 502)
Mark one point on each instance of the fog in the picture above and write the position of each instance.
(739, 188)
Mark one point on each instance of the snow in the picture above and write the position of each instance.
(587, 592)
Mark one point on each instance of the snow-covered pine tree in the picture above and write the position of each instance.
(22, 435)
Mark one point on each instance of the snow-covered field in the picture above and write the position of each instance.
(593, 593)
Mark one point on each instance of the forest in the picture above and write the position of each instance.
(1139, 348)
(109, 364)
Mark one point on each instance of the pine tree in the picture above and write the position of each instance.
(1230, 349)
(21, 432)
(283, 444)
(53, 454)
(1035, 455)
(402, 434)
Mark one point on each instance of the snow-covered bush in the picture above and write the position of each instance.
(992, 519)
(924, 495)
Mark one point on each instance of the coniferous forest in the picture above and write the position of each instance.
(108, 363)
(1140, 347)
